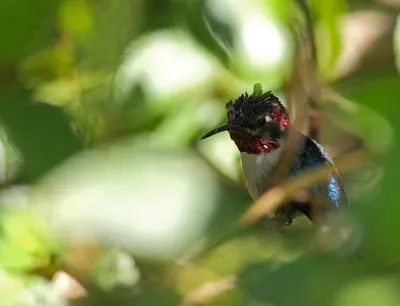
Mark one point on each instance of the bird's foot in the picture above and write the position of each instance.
(282, 219)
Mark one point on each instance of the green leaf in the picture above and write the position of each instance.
(115, 269)
(379, 90)
(369, 292)
(149, 89)
(250, 38)
(155, 294)
(13, 258)
(326, 20)
(11, 163)
(299, 282)
(41, 133)
(114, 25)
(76, 18)
(216, 36)
(21, 22)
(26, 240)
(154, 203)
(40, 293)
(11, 286)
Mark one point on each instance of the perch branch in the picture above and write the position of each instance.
(209, 291)
(276, 196)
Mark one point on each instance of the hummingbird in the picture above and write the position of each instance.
(258, 124)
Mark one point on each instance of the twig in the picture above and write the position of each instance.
(310, 30)
(312, 81)
(209, 291)
(297, 99)
(68, 287)
(278, 195)
(301, 88)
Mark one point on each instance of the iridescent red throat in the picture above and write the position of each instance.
(253, 144)
(256, 145)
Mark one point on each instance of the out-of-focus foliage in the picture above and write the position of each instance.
(115, 269)
(102, 104)
(27, 241)
(327, 33)
(171, 195)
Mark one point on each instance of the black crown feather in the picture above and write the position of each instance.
(249, 107)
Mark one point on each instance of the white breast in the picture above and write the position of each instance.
(258, 168)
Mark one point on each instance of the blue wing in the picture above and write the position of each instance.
(310, 155)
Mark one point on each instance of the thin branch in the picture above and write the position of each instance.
(301, 89)
(68, 287)
(309, 30)
(209, 291)
(296, 98)
(277, 196)
(314, 83)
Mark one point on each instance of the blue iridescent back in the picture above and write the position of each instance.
(310, 155)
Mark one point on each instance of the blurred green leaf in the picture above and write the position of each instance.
(223, 155)
(47, 64)
(182, 124)
(20, 22)
(153, 203)
(362, 121)
(11, 286)
(11, 257)
(379, 90)
(182, 74)
(16, 196)
(249, 37)
(115, 24)
(26, 241)
(149, 294)
(76, 18)
(115, 269)
(369, 292)
(69, 91)
(328, 42)
(158, 297)
(40, 132)
(182, 67)
(297, 283)
(263, 42)
(214, 34)
(11, 162)
(40, 293)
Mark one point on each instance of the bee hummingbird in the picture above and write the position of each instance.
(258, 125)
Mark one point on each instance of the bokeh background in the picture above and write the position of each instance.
(109, 198)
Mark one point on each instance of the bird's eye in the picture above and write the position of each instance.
(261, 122)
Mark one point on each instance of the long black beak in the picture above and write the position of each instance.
(223, 128)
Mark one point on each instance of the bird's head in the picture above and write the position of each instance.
(256, 122)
